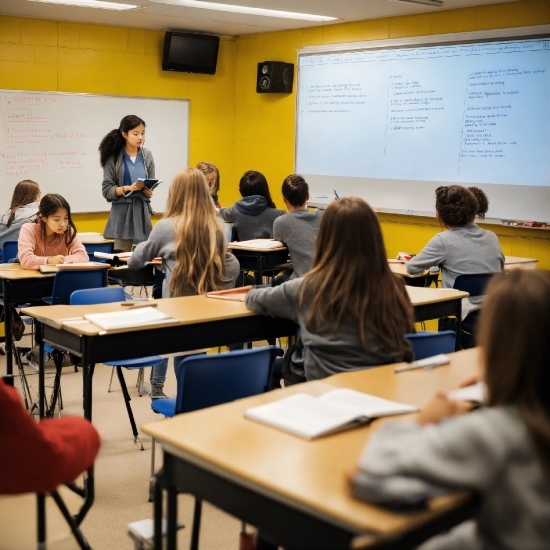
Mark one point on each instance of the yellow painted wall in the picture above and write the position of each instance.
(264, 123)
(74, 57)
(231, 125)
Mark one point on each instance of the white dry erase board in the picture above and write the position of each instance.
(53, 138)
(391, 120)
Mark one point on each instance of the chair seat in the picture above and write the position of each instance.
(167, 407)
(139, 363)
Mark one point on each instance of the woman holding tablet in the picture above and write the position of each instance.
(124, 160)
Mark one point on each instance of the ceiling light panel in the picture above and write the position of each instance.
(246, 10)
(90, 4)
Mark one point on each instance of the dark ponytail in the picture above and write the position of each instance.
(113, 143)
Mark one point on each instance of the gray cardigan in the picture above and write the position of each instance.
(490, 451)
(298, 230)
(24, 214)
(324, 352)
(130, 216)
(162, 242)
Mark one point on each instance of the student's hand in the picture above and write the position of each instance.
(53, 260)
(470, 381)
(148, 192)
(439, 407)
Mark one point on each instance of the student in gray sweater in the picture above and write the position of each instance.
(352, 310)
(254, 214)
(298, 229)
(501, 451)
(192, 245)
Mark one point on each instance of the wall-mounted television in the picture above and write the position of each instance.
(190, 53)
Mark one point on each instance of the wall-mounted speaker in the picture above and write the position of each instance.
(274, 77)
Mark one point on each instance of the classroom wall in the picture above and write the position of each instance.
(232, 125)
(75, 57)
(264, 123)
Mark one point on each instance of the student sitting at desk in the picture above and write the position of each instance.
(23, 209)
(502, 450)
(192, 245)
(52, 239)
(352, 310)
(298, 229)
(254, 214)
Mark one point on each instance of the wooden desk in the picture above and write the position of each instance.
(515, 262)
(259, 259)
(292, 489)
(21, 286)
(203, 323)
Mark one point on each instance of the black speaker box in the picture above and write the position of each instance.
(274, 77)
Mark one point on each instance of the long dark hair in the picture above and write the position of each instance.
(254, 183)
(25, 192)
(49, 205)
(350, 278)
(513, 335)
(113, 143)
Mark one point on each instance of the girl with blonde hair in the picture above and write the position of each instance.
(192, 245)
(212, 176)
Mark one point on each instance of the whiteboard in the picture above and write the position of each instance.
(392, 120)
(53, 139)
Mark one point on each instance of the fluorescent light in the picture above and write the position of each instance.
(90, 4)
(433, 3)
(245, 9)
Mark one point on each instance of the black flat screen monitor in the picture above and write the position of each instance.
(190, 53)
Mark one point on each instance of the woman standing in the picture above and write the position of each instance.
(124, 160)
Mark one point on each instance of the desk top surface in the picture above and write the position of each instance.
(310, 475)
(190, 309)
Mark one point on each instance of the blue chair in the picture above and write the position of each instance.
(428, 344)
(68, 280)
(475, 284)
(9, 251)
(116, 294)
(107, 247)
(209, 380)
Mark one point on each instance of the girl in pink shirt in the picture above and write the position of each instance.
(52, 239)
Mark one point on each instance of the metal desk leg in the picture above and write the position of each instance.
(41, 369)
(458, 324)
(258, 274)
(7, 329)
(41, 520)
(157, 514)
(88, 374)
(172, 518)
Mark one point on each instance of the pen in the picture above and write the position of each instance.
(336, 196)
(135, 305)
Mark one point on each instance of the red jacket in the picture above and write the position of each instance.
(37, 457)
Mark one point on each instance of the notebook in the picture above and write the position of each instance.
(310, 417)
(140, 317)
(78, 265)
(149, 182)
(475, 392)
(108, 256)
(235, 294)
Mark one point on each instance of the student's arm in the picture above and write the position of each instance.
(226, 213)
(77, 252)
(465, 451)
(434, 253)
(149, 249)
(37, 457)
(27, 245)
(278, 232)
(279, 301)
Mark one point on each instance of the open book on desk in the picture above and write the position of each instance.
(310, 417)
(140, 317)
(236, 294)
(108, 256)
(266, 244)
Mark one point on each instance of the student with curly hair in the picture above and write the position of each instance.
(463, 247)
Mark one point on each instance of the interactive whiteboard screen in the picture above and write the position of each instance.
(53, 139)
(392, 124)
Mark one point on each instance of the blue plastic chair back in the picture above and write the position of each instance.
(99, 247)
(428, 344)
(9, 251)
(104, 295)
(67, 281)
(208, 380)
(474, 284)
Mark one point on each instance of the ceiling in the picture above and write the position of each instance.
(151, 15)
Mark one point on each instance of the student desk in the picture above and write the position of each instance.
(259, 259)
(515, 262)
(295, 490)
(21, 286)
